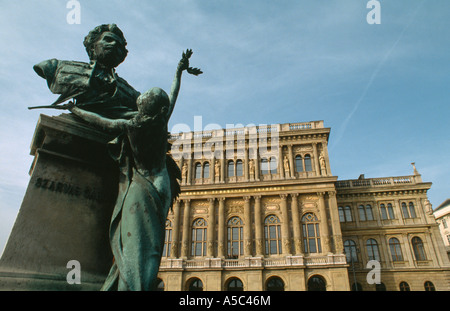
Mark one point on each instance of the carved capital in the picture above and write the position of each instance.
(320, 195)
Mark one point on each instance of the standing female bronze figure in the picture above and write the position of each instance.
(147, 184)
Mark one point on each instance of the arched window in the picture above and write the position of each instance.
(372, 249)
(272, 234)
(350, 251)
(317, 283)
(311, 233)
(341, 214)
(404, 287)
(396, 250)
(383, 212)
(365, 213)
(159, 285)
(167, 239)
(405, 210)
(429, 286)
(412, 210)
(234, 285)
(206, 170)
(239, 168)
(362, 213)
(198, 171)
(345, 214)
(235, 237)
(273, 165)
(275, 284)
(419, 251)
(264, 166)
(369, 212)
(390, 211)
(195, 285)
(230, 168)
(308, 165)
(199, 228)
(380, 287)
(298, 163)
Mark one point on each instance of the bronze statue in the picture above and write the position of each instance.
(148, 185)
(148, 182)
(93, 86)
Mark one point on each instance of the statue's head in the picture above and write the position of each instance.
(153, 102)
(106, 44)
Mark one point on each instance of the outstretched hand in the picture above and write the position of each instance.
(184, 63)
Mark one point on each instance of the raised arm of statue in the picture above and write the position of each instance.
(182, 65)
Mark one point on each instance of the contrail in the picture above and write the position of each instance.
(373, 76)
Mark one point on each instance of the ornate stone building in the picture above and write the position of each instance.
(442, 215)
(261, 210)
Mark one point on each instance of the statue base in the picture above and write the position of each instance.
(66, 211)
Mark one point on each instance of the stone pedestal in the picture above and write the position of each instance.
(66, 211)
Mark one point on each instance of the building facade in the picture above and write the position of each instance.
(261, 210)
(442, 215)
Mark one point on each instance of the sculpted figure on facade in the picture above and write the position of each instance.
(322, 162)
(184, 170)
(251, 165)
(217, 169)
(287, 170)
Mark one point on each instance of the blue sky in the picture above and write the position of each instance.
(382, 89)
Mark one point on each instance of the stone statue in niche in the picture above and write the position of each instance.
(323, 167)
(287, 171)
(148, 183)
(184, 173)
(217, 169)
(251, 165)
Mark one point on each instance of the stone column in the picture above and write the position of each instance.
(211, 229)
(257, 166)
(247, 228)
(221, 229)
(212, 170)
(258, 227)
(291, 161)
(280, 162)
(316, 159)
(327, 158)
(176, 229)
(335, 224)
(286, 241)
(296, 224)
(324, 231)
(186, 227)
(245, 165)
(189, 171)
(223, 164)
